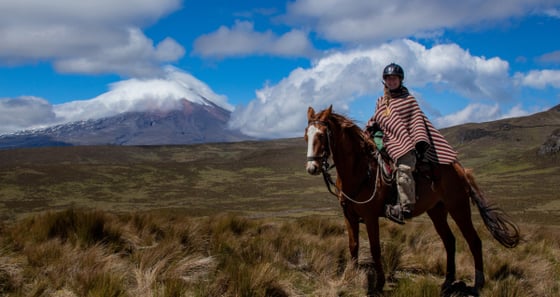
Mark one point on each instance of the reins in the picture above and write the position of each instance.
(327, 176)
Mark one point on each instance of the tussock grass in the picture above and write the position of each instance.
(78, 252)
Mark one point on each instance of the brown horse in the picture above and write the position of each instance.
(362, 190)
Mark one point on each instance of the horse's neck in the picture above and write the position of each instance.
(349, 160)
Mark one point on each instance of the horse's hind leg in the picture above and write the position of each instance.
(438, 214)
(461, 213)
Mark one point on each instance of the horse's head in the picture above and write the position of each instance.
(317, 136)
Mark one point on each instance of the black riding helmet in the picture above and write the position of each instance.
(393, 69)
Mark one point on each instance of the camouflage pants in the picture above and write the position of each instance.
(405, 181)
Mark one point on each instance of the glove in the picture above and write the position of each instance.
(421, 149)
(378, 140)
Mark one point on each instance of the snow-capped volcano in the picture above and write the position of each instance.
(188, 124)
(175, 109)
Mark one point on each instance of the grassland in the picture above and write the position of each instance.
(244, 219)
(249, 177)
(97, 253)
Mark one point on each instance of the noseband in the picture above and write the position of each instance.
(323, 159)
(326, 150)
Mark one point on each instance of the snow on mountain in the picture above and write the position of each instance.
(174, 109)
(139, 95)
(190, 123)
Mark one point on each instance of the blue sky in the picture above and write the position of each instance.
(267, 61)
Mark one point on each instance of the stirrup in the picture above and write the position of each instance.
(394, 213)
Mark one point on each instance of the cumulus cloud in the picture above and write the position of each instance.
(353, 21)
(136, 58)
(539, 79)
(88, 37)
(552, 57)
(243, 40)
(340, 78)
(24, 113)
(162, 94)
(477, 112)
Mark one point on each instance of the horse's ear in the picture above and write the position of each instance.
(327, 113)
(310, 113)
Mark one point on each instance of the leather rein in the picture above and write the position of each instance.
(326, 167)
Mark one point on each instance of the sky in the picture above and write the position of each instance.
(268, 61)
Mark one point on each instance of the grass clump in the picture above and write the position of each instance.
(93, 253)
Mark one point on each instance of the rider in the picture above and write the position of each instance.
(406, 135)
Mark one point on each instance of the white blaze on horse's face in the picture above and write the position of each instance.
(313, 146)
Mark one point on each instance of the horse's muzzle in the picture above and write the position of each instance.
(313, 168)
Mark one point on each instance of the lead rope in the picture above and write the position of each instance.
(329, 182)
(328, 179)
(372, 194)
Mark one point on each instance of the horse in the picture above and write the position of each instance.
(362, 189)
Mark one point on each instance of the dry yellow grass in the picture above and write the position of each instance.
(93, 253)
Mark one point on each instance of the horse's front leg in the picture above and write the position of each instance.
(372, 226)
(353, 228)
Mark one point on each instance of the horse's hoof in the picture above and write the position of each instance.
(472, 291)
(458, 288)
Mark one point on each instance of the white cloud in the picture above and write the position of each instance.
(163, 94)
(24, 112)
(136, 58)
(353, 21)
(477, 113)
(472, 113)
(101, 36)
(552, 12)
(338, 79)
(243, 40)
(517, 111)
(539, 79)
(552, 57)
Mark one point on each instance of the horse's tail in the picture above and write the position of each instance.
(497, 222)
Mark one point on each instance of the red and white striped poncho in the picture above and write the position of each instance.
(404, 125)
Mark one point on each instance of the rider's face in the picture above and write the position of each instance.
(392, 81)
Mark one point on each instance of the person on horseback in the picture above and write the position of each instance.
(402, 130)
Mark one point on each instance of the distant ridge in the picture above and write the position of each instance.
(196, 123)
(192, 123)
(537, 133)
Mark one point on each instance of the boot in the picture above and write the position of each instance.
(398, 213)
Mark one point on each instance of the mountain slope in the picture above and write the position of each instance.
(193, 123)
(517, 162)
(523, 136)
(265, 177)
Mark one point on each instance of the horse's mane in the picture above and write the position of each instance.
(350, 128)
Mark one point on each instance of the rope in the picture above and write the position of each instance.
(329, 182)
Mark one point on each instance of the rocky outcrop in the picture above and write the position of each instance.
(551, 146)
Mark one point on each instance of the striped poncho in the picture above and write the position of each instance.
(405, 126)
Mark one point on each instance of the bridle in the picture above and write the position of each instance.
(323, 159)
(326, 167)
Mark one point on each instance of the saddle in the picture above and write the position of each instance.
(425, 170)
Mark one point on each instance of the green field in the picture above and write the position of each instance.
(251, 178)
